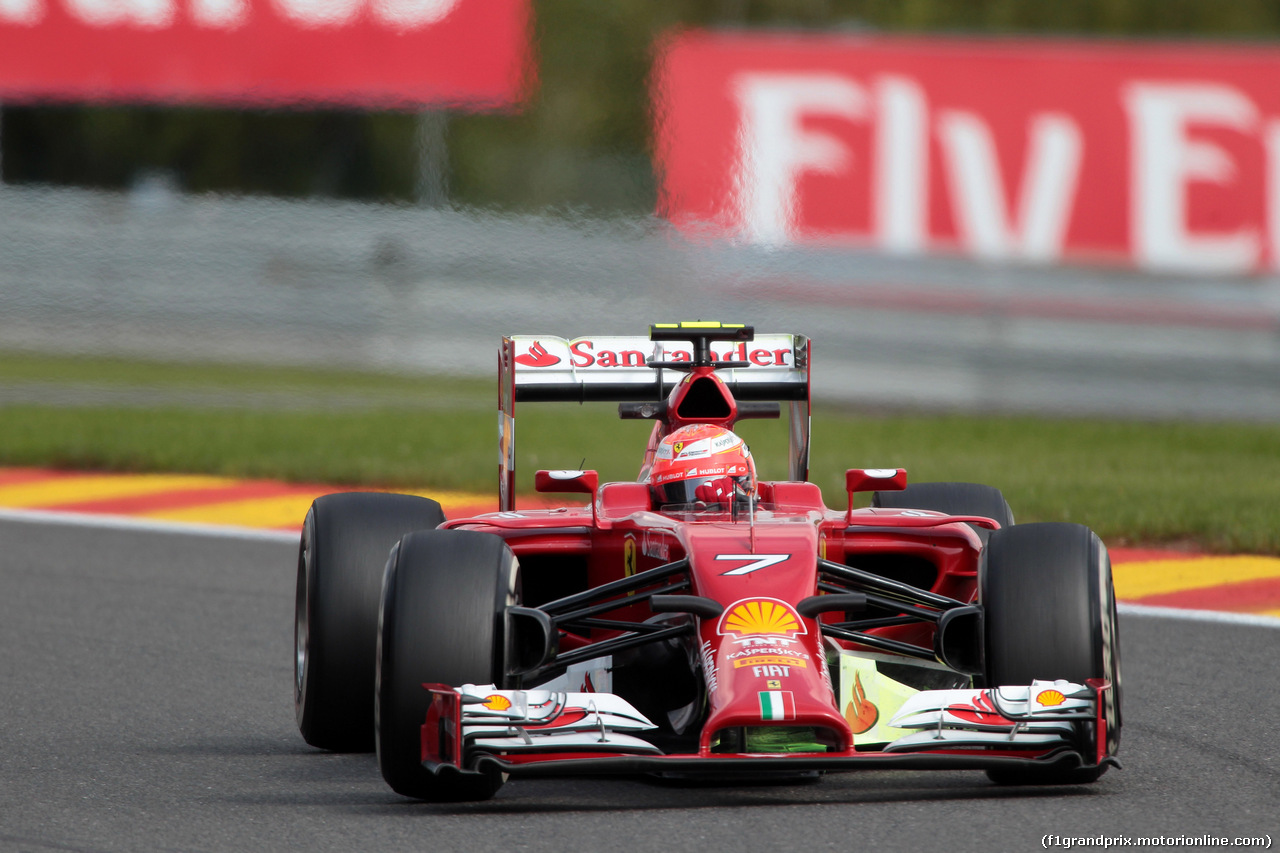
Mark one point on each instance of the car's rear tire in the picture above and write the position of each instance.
(951, 498)
(345, 542)
(1049, 613)
(443, 617)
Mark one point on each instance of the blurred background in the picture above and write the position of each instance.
(406, 229)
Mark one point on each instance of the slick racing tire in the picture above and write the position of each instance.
(951, 498)
(345, 542)
(443, 617)
(1050, 612)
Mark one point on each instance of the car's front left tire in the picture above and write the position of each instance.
(442, 620)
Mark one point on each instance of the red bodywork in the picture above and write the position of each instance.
(800, 527)
(756, 567)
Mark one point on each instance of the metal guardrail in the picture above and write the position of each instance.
(162, 275)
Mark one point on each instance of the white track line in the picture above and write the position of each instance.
(145, 525)
(1257, 620)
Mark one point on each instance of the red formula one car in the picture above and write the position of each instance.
(697, 622)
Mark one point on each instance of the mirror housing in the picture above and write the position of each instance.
(575, 482)
(873, 480)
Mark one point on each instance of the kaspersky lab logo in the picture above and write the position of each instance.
(537, 356)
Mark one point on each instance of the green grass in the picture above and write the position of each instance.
(1215, 486)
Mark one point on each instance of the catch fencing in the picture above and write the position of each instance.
(159, 274)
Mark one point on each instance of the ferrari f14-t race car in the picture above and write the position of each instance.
(697, 622)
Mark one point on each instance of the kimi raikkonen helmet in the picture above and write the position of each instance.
(702, 464)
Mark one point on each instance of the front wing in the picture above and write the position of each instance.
(1058, 725)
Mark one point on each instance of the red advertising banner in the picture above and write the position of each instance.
(1159, 156)
(469, 54)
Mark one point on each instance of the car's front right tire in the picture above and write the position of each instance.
(1050, 613)
(346, 538)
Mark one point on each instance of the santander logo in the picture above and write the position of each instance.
(632, 353)
(537, 356)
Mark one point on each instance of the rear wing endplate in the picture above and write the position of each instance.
(608, 368)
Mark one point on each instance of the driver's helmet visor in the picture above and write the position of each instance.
(686, 491)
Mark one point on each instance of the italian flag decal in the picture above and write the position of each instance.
(777, 705)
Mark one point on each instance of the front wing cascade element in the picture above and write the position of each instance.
(1044, 715)
(548, 733)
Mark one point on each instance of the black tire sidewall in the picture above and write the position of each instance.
(1044, 599)
(442, 620)
(342, 556)
(1050, 613)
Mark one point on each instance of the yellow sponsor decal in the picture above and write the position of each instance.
(762, 660)
(869, 700)
(699, 324)
(497, 703)
(761, 616)
(629, 558)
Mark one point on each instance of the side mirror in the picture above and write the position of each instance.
(873, 480)
(576, 482)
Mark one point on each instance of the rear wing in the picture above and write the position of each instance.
(610, 368)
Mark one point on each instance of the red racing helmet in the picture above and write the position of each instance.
(702, 464)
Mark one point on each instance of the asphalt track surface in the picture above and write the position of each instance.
(145, 704)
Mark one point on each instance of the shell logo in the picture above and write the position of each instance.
(497, 703)
(761, 616)
(1050, 698)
